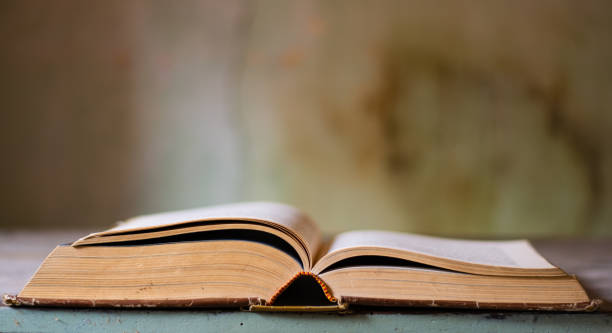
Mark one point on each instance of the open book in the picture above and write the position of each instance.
(270, 256)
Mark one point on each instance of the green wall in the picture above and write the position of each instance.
(451, 117)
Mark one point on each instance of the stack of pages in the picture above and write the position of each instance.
(270, 256)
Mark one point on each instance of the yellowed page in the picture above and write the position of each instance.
(428, 287)
(277, 215)
(514, 254)
(164, 272)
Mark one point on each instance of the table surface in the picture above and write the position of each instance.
(21, 252)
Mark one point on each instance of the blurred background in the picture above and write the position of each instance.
(469, 118)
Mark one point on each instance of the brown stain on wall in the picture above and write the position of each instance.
(446, 119)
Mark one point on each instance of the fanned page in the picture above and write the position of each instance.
(511, 258)
(279, 216)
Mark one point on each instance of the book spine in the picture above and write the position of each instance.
(324, 287)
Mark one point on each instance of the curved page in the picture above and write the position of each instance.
(511, 258)
(279, 216)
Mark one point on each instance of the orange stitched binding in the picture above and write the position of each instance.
(321, 283)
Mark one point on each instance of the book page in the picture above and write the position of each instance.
(268, 213)
(518, 253)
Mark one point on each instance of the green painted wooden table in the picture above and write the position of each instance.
(21, 252)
